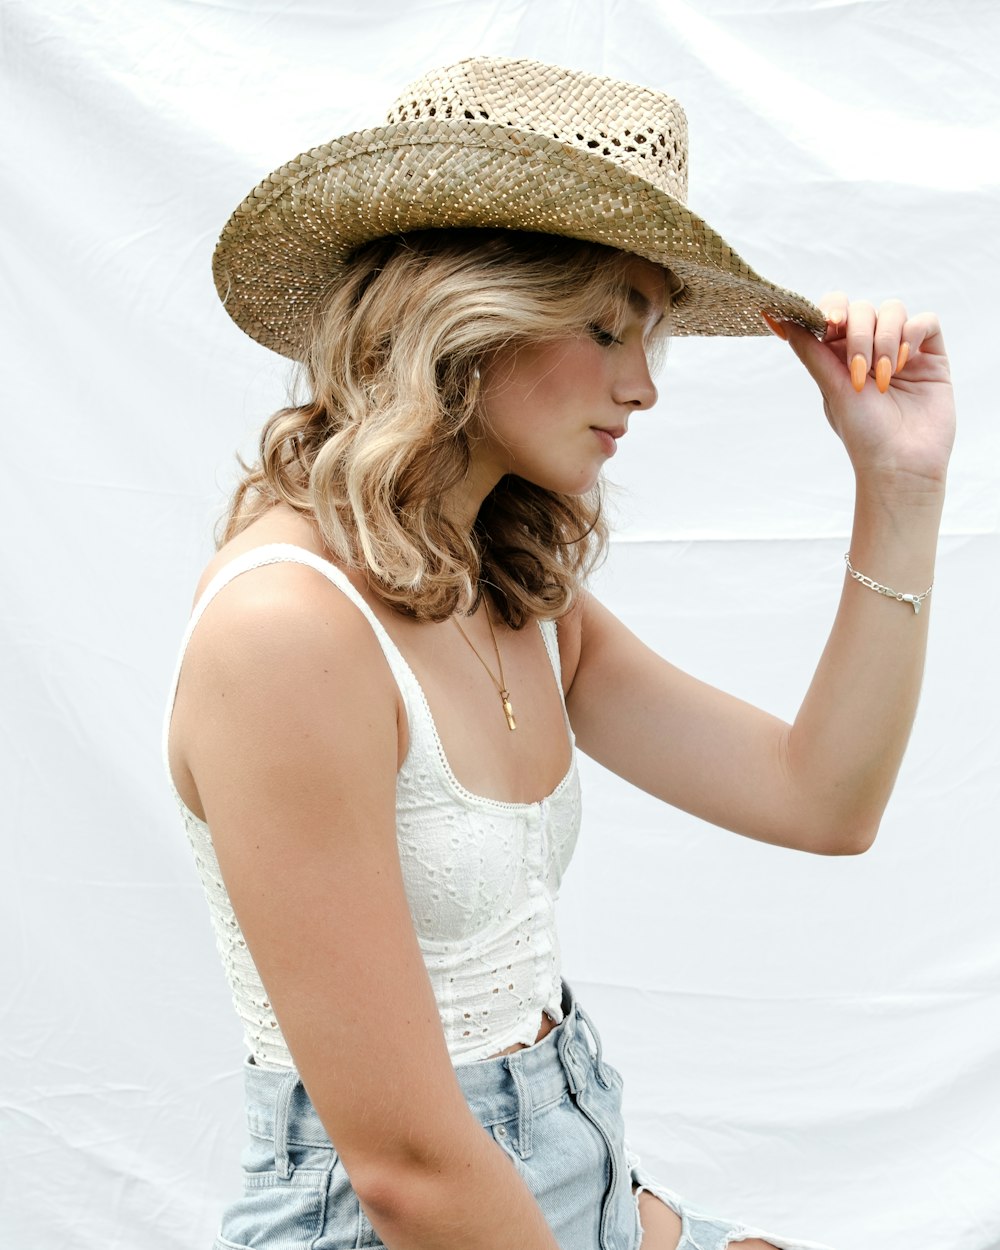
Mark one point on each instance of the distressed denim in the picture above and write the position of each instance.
(554, 1109)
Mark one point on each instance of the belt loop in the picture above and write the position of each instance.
(567, 1056)
(567, 998)
(525, 1116)
(602, 1075)
(282, 1104)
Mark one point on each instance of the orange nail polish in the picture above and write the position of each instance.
(904, 355)
(775, 327)
(883, 373)
(835, 317)
(859, 371)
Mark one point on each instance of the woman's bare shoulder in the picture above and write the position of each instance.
(283, 614)
(281, 638)
(279, 524)
(280, 613)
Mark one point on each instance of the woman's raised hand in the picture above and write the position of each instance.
(886, 389)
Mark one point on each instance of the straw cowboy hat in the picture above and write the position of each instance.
(491, 142)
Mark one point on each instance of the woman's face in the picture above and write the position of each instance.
(553, 413)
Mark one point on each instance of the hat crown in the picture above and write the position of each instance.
(641, 130)
(491, 143)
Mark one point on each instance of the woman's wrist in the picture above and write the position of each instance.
(900, 493)
(894, 537)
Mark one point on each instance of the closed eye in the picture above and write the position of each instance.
(602, 336)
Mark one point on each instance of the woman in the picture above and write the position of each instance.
(372, 736)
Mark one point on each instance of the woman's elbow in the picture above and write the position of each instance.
(845, 838)
(841, 821)
(396, 1192)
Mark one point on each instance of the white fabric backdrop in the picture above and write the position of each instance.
(812, 1044)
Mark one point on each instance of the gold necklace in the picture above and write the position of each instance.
(501, 685)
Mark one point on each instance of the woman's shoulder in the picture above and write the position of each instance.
(296, 605)
(279, 526)
(272, 649)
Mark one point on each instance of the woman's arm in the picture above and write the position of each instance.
(820, 784)
(288, 714)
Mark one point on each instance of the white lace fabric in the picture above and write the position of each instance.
(481, 876)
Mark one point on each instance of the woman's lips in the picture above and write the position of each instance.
(608, 439)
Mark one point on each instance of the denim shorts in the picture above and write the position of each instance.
(553, 1108)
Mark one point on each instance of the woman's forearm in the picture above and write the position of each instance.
(473, 1198)
(848, 738)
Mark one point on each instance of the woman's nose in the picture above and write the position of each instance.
(635, 387)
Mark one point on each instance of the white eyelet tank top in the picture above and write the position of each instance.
(481, 876)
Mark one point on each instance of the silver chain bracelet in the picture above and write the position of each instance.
(915, 600)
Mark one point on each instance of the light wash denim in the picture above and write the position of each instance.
(553, 1108)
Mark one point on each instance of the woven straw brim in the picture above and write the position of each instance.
(283, 248)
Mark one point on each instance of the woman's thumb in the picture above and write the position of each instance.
(819, 359)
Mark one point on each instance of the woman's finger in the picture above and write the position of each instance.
(888, 341)
(920, 333)
(861, 319)
(834, 305)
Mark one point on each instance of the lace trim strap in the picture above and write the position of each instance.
(550, 636)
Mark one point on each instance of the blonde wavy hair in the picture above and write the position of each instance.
(390, 414)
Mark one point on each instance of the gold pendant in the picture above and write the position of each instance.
(508, 711)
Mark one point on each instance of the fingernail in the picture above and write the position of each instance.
(883, 372)
(835, 317)
(904, 355)
(775, 327)
(859, 371)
